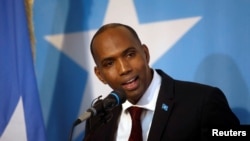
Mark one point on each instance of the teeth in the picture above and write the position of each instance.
(131, 80)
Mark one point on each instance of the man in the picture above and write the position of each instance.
(173, 110)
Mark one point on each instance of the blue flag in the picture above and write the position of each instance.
(20, 111)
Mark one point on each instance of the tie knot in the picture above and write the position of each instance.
(135, 112)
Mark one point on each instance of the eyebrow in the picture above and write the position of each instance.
(123, 53)
(127, 50)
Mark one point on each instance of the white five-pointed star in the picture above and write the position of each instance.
(76, 45)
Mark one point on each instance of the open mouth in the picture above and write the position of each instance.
(131, 84)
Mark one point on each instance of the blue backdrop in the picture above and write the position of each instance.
(204, 41)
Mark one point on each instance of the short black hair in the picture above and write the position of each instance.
(112, 25)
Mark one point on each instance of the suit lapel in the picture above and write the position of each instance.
(163, 109)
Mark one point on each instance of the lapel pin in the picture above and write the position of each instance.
(164, 107)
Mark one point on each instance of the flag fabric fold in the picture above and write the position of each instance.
(18, 86)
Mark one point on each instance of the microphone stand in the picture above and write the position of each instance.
(105, 114)
(84, 117)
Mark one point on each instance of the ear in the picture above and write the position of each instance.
(146, 51)
(99, 75)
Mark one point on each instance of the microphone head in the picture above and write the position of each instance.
(119, 95)
(114, 99)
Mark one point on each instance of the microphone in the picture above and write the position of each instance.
(114, 99)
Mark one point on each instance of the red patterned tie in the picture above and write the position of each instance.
(136, 131)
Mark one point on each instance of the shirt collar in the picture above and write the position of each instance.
(148, 100)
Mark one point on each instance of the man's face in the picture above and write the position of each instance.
(122, 62)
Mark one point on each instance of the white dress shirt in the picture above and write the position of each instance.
(148, 103)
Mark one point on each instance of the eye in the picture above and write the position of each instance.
(131, 54)
(108, 63)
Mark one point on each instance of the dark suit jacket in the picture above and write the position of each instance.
(193, 110)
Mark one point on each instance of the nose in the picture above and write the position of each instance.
(123, 67)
